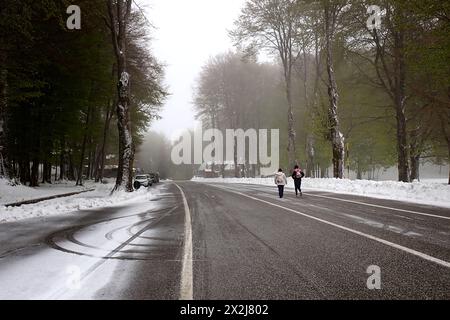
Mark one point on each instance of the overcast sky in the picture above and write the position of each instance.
(187, 33)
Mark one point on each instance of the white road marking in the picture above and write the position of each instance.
(368, 236)
(382, 207)
(186, 287)
(372, 205)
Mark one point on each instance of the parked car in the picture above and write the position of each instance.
(154, 176)
(142, 180)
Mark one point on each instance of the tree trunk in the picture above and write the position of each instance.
(236, 166)
(4, 162)
(81, 164)
(88, 170)
(414, 155)
(96, 164)
(309, 137)
(444, 118)
(24, 170)
(83, 150)
(49, 172)
(119, 24)
(290, 114)
(46, 172)
(34, 177)
(91, 157)
(399, 97)
(125, 170)
(402, 144)
(358, 172)
(310, 155)
(311, 169)
(323, 171)
(336, 137)
(71, 173)
(415, 168)
(394, 81)
(109, 114)
(62, 163)
(448, 148)
(14, 167)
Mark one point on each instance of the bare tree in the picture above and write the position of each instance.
(273, 25)
(393, 77)
(311, 39)
(385, 49)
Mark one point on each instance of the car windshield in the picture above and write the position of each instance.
(141, 177)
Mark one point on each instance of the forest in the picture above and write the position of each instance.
(345, 89)
(70, 97)
(355, 86)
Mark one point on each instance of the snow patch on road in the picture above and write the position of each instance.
(430, 193)
(100, 197)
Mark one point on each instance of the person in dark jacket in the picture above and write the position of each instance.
(297, 175)
(280, 180)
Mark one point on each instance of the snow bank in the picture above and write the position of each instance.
(101, 197)
(17, 193)
(431, 193)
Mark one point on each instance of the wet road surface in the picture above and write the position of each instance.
(239, 242)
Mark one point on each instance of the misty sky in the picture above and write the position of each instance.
(187, 33)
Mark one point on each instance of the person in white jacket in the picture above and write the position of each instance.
(280, 181)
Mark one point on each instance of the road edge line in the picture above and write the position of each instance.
(186, 285)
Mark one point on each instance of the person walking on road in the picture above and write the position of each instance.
(297, 175)
(280, 181)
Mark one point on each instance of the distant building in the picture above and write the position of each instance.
(214, 170)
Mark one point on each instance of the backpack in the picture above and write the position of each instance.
(279, 179)
(299, 174)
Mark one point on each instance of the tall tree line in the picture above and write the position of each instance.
(61, 89)
(356, 97)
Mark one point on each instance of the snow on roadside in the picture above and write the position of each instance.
(11, 194)
(100, 197)
(430, 193)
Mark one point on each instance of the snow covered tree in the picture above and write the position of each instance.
(332, 10)
(119, 15)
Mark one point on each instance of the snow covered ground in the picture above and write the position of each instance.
(38, 271)
(10, 194)
(100, 197)
(435, 193)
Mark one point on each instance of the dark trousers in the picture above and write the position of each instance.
(281, 191)
(298, 185)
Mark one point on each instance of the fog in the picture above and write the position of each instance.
(186, 34)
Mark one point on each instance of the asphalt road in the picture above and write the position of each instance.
(230, 241)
